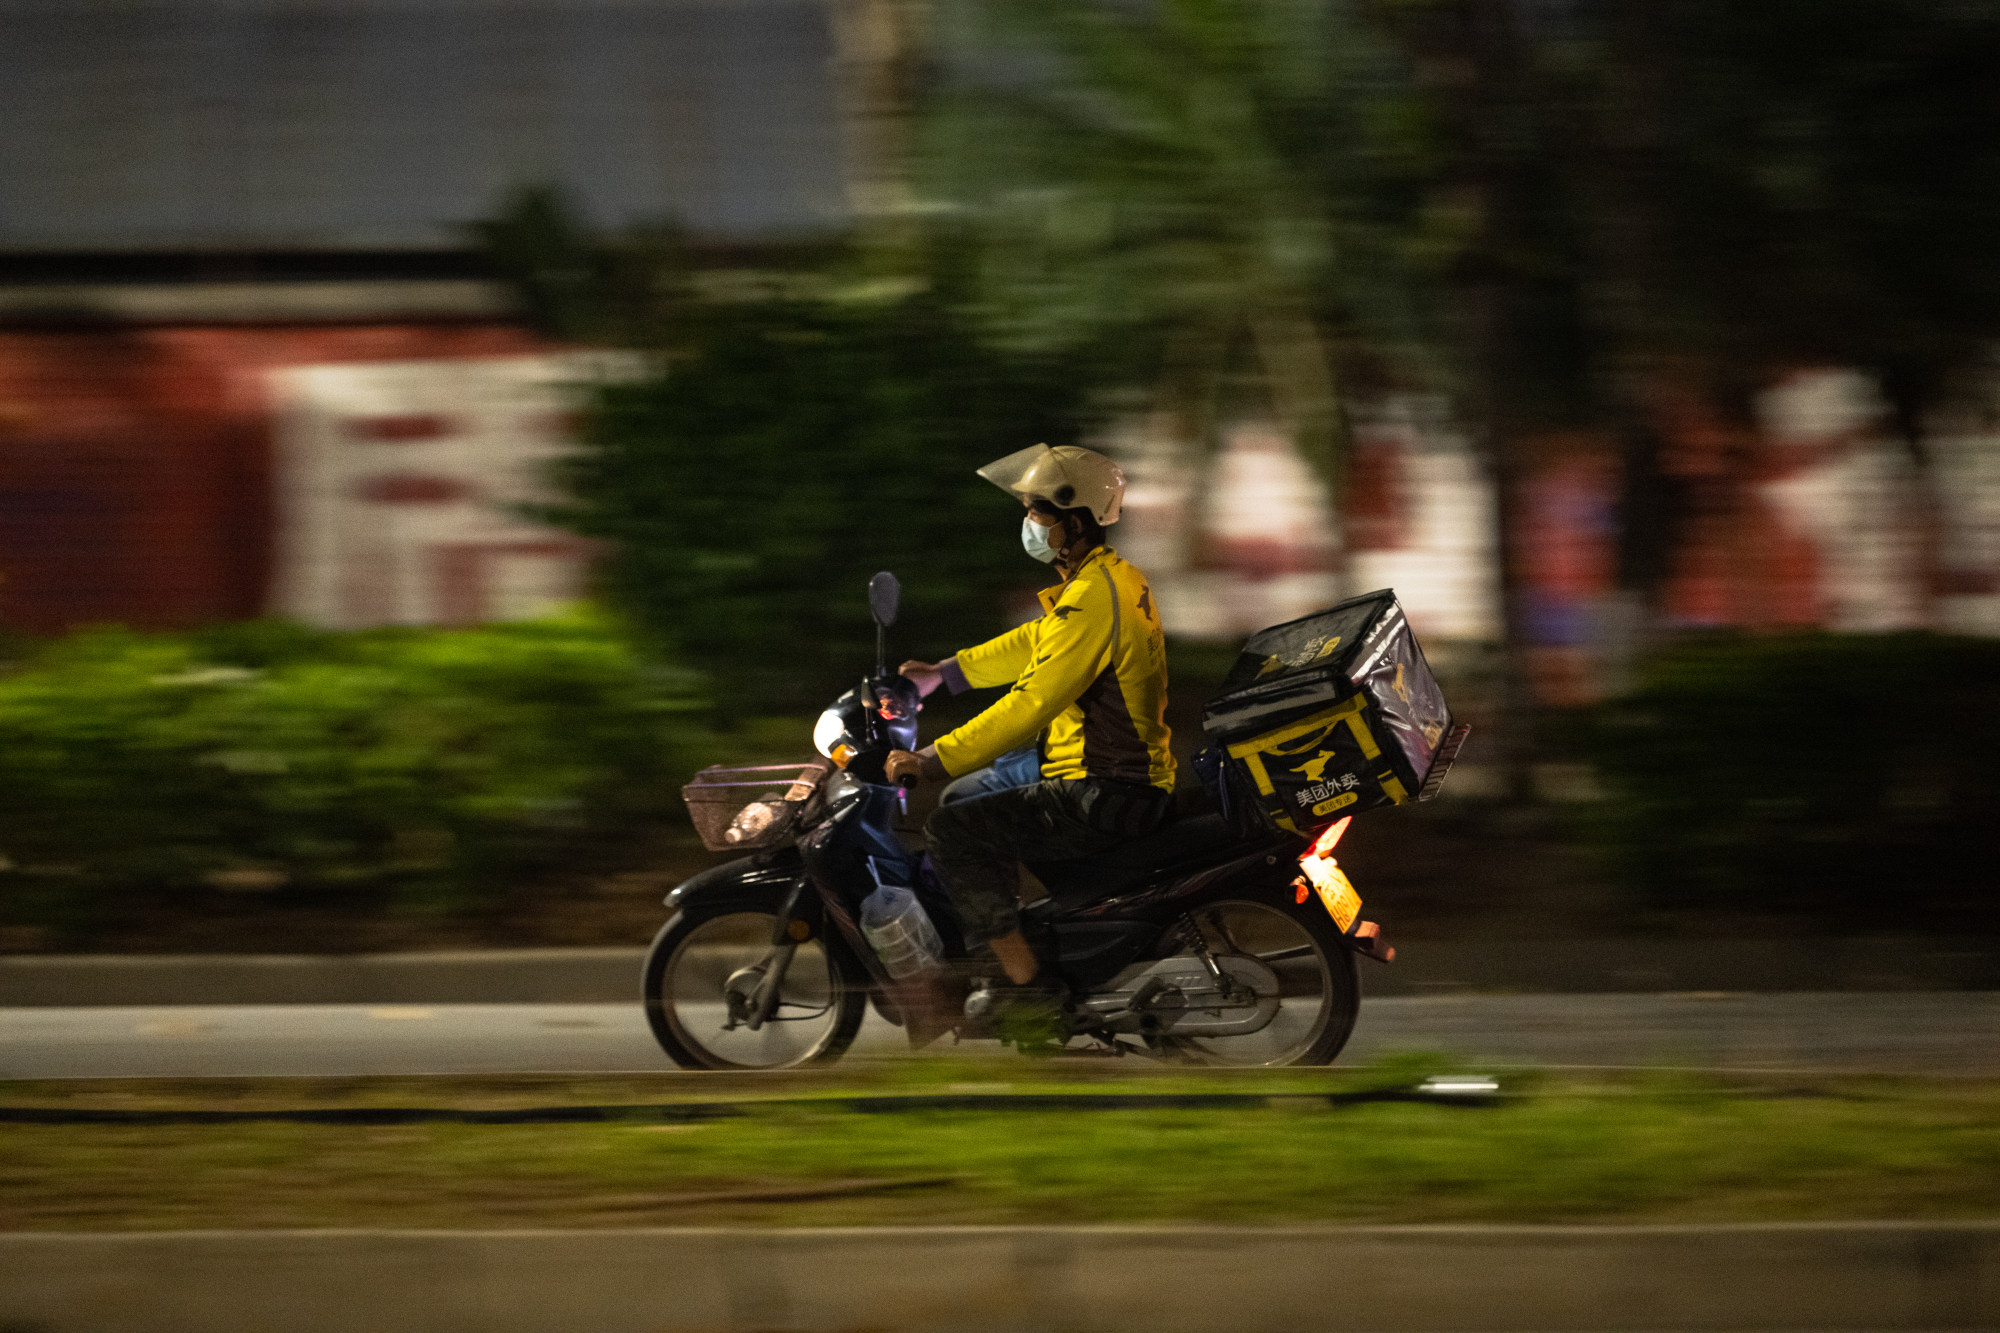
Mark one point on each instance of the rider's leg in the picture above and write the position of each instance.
(1017, 768)
(977, 846)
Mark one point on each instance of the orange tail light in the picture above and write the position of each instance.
(1331, 838)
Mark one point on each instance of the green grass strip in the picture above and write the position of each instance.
(1555, 1148)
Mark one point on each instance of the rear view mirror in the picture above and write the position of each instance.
(884, 595)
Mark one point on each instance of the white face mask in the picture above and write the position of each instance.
(1035, 540)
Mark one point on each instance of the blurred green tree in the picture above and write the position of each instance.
(750, 490)
(1705, 189)
(1535, 206)
(1823, 179)
(578, 286)
(1323, 198)
(1807, 183)
(797, 429)
(1188, 193)
(1742, 188)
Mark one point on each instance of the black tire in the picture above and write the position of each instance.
(1331, 959)
(836, 978)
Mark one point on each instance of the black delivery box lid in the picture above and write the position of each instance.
(1333, 714)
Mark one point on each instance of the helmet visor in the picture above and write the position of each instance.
(1014, 473)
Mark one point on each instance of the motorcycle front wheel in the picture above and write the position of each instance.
(1318, 991)
(700, 956)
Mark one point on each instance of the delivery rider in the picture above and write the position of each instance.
(1088, 697)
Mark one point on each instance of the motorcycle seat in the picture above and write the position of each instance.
(1191, 843)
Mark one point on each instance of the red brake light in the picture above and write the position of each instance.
(1331, 838)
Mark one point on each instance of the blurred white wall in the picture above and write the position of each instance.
(1857, 500)
(1250, 538)
(1444, 565)
(1968, 467)
(397, 488)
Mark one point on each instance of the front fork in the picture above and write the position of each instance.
(752, 992)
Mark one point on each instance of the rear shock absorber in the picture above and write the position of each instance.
(1196, 939)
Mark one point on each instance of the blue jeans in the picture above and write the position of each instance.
(1016, 768)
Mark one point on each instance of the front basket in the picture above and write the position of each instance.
(743, 809)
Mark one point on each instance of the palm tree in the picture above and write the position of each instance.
(1188, 190)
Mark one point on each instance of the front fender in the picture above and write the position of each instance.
(761, 884)
(751, 882)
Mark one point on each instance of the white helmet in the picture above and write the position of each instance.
(1064, 477)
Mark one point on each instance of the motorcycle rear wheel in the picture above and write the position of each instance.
(1320, 986)
(820, 1005)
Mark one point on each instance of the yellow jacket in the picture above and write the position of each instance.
(1092, 670)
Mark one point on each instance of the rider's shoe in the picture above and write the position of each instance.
(931, 1004)
(1034, 1016)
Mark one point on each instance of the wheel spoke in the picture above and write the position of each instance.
(716, 954)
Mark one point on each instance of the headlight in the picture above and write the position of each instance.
(828, 732)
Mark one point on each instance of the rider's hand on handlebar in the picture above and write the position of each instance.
(926, 676)
(903, 768)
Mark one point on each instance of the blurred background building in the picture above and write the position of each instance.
(1647, 351)
(251, 360)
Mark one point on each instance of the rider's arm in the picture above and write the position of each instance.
(1074, 645)
(995, 662)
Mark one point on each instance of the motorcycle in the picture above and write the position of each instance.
(1206, 940)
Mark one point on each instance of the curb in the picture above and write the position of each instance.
(1850, 1276)
(487, 976)
(589, 976)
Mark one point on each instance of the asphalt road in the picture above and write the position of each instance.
(1930, 1032)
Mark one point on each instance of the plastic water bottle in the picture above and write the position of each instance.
(899, 929)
